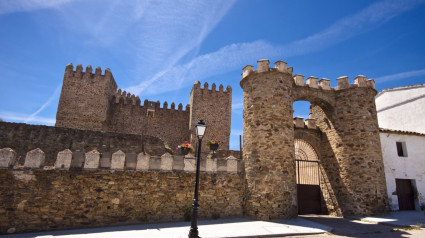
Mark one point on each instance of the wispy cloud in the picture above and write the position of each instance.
(19, 117)
(12, 6)
(231, 57)
(55, 95)
(398, 76)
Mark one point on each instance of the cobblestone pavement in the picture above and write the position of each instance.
(354, 228)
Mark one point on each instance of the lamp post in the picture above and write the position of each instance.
(200, 131)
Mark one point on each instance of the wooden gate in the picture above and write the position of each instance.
(405, 195)
(308, 178)
(308, 187)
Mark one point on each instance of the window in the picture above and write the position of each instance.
(150, 112)
(401, 149)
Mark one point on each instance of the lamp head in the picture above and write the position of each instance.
(200, 129)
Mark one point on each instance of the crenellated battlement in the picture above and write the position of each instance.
(205, 89)
(88, 73)
(94, 160)
(309, 123)
(312, 82)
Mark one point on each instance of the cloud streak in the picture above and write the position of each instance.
(33, 116)
(231, 57)
(398, 76)
(12, 6)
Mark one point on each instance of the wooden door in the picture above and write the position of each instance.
(406, 199)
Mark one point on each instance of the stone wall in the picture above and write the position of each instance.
(167, 123)
(269, 144)
(85, 98)
(215, 108)
(93, 102)
(23, 138)
(151, 189)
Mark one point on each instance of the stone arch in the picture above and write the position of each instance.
(349, 142)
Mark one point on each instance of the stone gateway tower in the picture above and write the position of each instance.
(346, 141)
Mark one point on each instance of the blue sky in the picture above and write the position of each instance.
(158, 49)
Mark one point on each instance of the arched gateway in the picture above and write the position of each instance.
(345, 136)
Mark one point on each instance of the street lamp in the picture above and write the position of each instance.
(200, 131)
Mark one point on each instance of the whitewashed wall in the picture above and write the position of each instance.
(410, 167)
(402, 108)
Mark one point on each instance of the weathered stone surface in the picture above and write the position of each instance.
(189, 164)
(268, 151)
(34, 159)
(167, 162)
(92, 160)
(232, 164)
(7, 157)
(52, 140)
(348, 144)
(211, 165)
(118, 160)
(143, 161)
(64, 159)
(178, 162)
(69, 199)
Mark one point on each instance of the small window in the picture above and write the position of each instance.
(401, 149)
(150, 112)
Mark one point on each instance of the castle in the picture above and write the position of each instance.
(95, 168)
(92, 102)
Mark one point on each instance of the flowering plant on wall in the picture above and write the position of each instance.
(185, 148)
(213, 144)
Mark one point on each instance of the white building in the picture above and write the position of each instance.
(401, 117)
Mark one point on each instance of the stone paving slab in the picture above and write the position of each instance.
(398, 219)
(207, 229)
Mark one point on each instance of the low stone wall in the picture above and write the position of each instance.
(98, 191)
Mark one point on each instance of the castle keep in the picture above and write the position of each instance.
(93, 102)
(94, 168)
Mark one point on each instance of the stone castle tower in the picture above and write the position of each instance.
(93, 102)
(349, 144)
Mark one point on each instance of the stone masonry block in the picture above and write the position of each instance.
(371, 83)
(361, 81)
(342, 82)
(281, 66)
(189, 164)
(7, 157)
(92, 160)
(247, 70)
(211, 165)
(118, 160)
(143, 161)
(325, 84)
(167, 162)
(310, 123)
(34, 159)
(312, 82)
(221, 165)
(63, 160)
(299, 122)
(232, 164)
(263, 65)
(178, 163)
(299, 80)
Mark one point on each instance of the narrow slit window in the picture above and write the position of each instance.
(401, 149)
